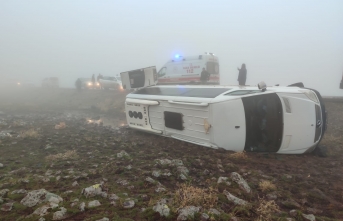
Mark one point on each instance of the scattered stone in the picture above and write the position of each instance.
(204, 217)
(224, 180)
(82, 206)
(21, 191)
(271, 196)
(288, 176)
(75, 183)
(309, 217)
(156, 173)
(7, 207)
(164, 162)
(93, 203)
(104, 219)
(150, 180)
(240, 181)
(113, 197)
(187, 212)
(41, 219)
(42, 211)
(206, 172)
(123, 182)
(293, 213)
(183, 170)
(162, 208)
(183, 177)
(1, 201)
(46, 179)
(177, 162)
(214, 211)
(37, 196)
(234, 199)
(4, 192)
(128, 204)
(95, 190)
(59, 215)
(122, 154)
(1, 165)
(160, 189)
(291, 204)
(234, 219)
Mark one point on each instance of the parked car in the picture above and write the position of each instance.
(86, 83)
(51, 82)
(111, 82)
(285, 120)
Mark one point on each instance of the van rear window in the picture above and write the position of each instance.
(183, 92)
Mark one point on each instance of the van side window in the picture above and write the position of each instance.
(162, 72)
(212, 67)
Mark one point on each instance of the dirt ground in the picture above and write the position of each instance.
(86, 148)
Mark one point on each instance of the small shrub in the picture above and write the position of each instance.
(266, 185)
(266, 209)
(239, 155)
(188, 195)
(70, 154)
(31, 133)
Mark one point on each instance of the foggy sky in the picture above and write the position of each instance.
(280, 41)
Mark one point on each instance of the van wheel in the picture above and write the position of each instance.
(321, 151)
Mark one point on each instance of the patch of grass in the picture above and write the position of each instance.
(266, 185)
(266, 209)
(70, 154)
(239, 155)
(188, 195)
(31, 133)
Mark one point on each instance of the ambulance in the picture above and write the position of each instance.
(187, 70)
(286, 120)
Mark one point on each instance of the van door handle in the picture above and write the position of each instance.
(187, 103)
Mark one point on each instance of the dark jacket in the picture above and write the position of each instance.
(205, 76)
(242, 76)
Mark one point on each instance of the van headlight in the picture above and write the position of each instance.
(89, 84)
(311, 95)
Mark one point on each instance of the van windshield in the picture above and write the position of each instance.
(264, 123)
(212, 67)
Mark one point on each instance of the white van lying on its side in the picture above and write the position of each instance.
(187, 70)
(285, 120)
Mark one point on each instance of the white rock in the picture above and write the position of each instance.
(59, 215)
(177, 162)
(94, 203)
(122, 154)
(214, 211)
(150, 180)
(156, 173)
(95, 190)
(186, 212)
(42, 211)
(183, 177)
(183, 170)
(164, 162)
(34, 197)
(1, 165)
(162, 208)
(128, 204)
(7, 207)
(75, 183)
(4, 192)
(113, 197)
(234, 199)
(104, 219)
(160, 189)
(82, 206)
(309, 217)
(240, 181)
(204, 217)
(41, 219)
(224, 180)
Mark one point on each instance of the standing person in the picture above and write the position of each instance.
(242, 75)
(98, 78)
(93, 80)
(205, 76)
(78, 84)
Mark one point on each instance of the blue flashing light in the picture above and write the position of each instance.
(177, 56)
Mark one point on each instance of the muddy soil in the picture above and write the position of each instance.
(50, 139)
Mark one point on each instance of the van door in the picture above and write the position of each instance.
(213, 69)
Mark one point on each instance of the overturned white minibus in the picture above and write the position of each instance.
(287, 120)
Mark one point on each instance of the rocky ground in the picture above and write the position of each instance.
(68, 156)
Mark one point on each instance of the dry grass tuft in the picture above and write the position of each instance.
(31, 133)
(266, 209)
(239, 155)
(266, 185)
(70, 154)
(188, 195)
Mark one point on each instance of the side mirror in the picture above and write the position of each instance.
(262, 86)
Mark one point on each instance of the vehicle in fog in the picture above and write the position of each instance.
(86, 83)
(187, 70)
(285, 120)
(51, 82)
(341, 85)
(108, 82)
